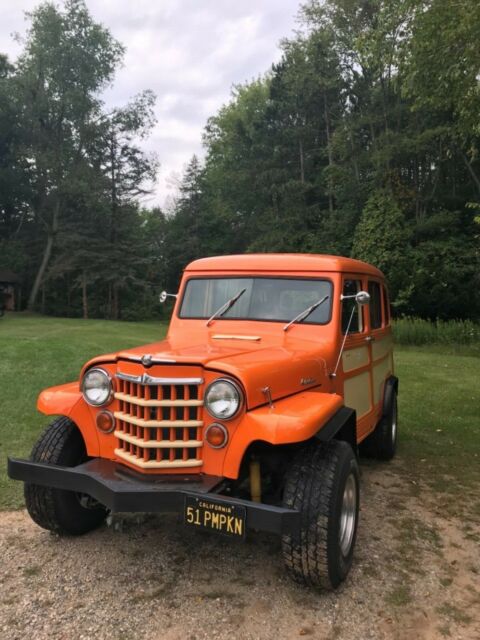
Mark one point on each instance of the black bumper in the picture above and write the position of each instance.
(113, 486)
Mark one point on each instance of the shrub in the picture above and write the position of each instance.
(416, 331)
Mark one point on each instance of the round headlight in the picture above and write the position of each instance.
(223, 399)
(97, 387)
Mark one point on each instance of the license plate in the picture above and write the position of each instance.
(211, 515)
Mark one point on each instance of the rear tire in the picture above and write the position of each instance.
(323, 484)
(55, 509)
(382, 443)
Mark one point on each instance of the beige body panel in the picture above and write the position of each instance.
(355, 358)
(357, 393)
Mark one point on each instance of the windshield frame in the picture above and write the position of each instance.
(245, 276)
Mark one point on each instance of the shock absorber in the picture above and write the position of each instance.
(255, 480)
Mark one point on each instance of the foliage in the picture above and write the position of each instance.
(71, 203)
(416, 331)
(339, 149)
(361, 140)
(383, 239)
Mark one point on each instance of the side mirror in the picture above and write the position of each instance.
(164, 295)
(362, 298)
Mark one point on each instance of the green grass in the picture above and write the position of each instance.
(439, 408)
(439, 402)
(38, 352)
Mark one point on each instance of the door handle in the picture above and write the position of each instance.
(369, 339)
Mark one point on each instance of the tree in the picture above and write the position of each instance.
(13, 168)
(128, 173)
(67, 60)
(383, 239)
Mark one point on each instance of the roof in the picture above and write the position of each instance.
(8, 276)
(253, 262)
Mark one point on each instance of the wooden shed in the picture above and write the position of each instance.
(8, 284)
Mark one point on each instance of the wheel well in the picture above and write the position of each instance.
(276, 458)
(348, 431)
(273, 457)
(341, 426)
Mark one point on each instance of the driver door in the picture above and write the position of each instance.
(356, 357)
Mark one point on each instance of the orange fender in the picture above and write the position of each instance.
(66, 400)
(293, 419)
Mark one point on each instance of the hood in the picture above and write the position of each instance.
(282, 368)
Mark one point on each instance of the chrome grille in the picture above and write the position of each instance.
(159, 421)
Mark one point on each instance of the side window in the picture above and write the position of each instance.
(386, 306)
(350, 288)
(375, 305)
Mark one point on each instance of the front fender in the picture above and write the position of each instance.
(66, 400)
(59, 400)
(293, 419)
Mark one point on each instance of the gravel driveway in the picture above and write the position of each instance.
(416, 575)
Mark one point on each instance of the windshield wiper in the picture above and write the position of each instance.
(225, 307)
(304, 314)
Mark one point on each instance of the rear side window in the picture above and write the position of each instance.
(375, 305)
(350, 288)
(386, 306)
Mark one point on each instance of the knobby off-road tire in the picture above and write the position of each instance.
(382, 443)
(55, 509)
(323, 484)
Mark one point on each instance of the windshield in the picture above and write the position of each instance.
(272, 299)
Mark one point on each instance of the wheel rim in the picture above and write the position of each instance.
(394, 422)
(348, 515)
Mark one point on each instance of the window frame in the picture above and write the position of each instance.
(387, 312)
(360, 280)
(380, 304)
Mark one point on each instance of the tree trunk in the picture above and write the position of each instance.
(40, 273)
(115, 305)
(51, 233)
(302, 163)
(329, 147)
(84, 296)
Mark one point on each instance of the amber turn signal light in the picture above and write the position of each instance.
(216, 435)
(105, 422)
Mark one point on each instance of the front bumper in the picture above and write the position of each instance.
(115, 487)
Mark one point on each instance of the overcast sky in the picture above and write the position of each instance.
(189, 52)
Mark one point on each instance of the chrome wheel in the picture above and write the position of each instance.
(348, 515)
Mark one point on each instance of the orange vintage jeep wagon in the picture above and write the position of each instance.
(247, 416)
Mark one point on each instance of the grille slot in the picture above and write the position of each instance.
(159, 426)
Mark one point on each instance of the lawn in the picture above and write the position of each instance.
(38, 352)
(439, 401)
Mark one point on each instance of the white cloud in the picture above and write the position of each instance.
(189, 52)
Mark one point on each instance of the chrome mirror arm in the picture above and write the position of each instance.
(334, 373)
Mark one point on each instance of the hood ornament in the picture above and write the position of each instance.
(147, 360)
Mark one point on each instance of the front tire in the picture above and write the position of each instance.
(63, 512)
(323, 484)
